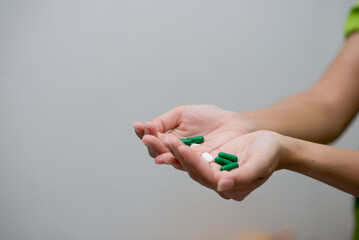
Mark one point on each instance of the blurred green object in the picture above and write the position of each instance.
(352, 23)
(356, 214)
(222, 161)
(351, 26)
(197, 139)
(228, 156)
(186, 141)
(229, 167)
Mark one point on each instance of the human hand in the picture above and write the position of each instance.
(259, 155)
(216, 125)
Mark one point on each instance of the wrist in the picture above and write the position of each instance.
(246, 121)
(290, 149)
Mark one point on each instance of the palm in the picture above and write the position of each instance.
(208, 121)
(258, 158)
(259, 145)
(217, 126)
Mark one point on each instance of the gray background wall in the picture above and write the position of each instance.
(75, 75)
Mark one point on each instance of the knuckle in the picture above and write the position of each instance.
(239, 198)
(181, 108)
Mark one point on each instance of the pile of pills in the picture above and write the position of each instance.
(226, 160)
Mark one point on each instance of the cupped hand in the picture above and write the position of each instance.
(216, 125)
(259, 155)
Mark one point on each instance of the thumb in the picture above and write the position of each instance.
(249, 172)
(168, 120)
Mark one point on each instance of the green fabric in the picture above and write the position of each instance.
(356, 214)
(352, 23)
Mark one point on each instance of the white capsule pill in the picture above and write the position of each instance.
(208, 157)
(194, 144)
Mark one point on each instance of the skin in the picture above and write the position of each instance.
(306, 115)
(281, 136)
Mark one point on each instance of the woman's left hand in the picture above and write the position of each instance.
(258, 154)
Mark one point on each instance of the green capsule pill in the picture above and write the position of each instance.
(197, 139)
(228, 156)
(229, 167)
(222, 161)
(186, 141)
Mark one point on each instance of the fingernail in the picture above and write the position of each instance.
(225, 185)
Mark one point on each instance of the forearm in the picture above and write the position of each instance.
(321, 113)
(301, 116)
(334, 166)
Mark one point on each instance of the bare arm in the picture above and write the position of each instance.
(260, 154)
(321, 113)
(336, 167)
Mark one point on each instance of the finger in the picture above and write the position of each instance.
(168, 120)
(151, 152)
(139, 129)
(177, 166)
(173, 149)
(165, 158)
(150, 129)
(223, 195)
(200, 167)
(154, 145)
(168, 144)
(168, 158)
(194, 164)
(237, 194)
(251, 173)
